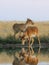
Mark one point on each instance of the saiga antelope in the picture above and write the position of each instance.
(21, 27)
(29, 59)
(29, 33)
(18, 61)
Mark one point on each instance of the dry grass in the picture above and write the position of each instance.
(6, 28)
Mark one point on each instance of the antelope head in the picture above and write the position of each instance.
(29, 22)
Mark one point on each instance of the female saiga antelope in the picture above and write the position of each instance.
(21, 27)
(29, 33)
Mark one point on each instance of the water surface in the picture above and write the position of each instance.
(41, 63)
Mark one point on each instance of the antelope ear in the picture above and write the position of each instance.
(28, 19)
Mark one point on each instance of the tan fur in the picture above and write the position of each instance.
(29, 33)
(29, 59)
(21, 27)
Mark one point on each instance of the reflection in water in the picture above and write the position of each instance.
(5, 64)
(41, 63)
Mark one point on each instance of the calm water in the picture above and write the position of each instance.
(41, 63)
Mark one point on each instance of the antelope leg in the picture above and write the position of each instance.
(31, 46)
(23, 42)
(39, 44)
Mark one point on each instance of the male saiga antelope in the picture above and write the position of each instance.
(21, 27)
(29, 33)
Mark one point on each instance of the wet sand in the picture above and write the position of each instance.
(4, 58)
